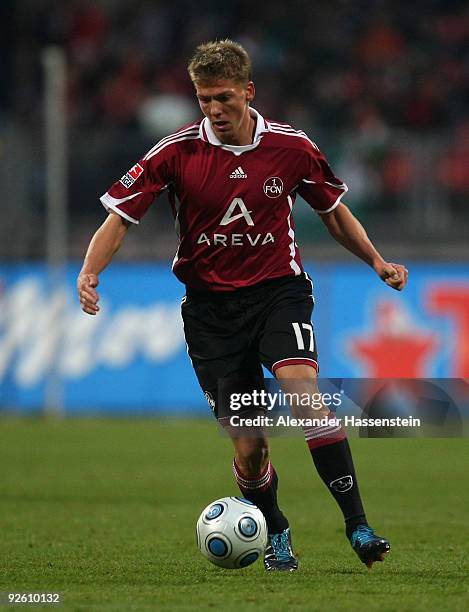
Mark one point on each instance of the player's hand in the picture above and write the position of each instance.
(394, 275)
(87, 294)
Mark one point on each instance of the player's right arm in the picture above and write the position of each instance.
(104, 244)
(127, 201)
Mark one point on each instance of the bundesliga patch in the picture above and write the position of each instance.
(131, 176)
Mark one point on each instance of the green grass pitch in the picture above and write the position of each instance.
(104, 512)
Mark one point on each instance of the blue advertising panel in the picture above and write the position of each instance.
(132, 358)
(366, 329)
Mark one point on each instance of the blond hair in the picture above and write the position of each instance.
(220, 59)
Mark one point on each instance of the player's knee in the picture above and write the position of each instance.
(300, 381)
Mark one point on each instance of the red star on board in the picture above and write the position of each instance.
(396, 348)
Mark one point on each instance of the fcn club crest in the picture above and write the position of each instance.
(273, 187)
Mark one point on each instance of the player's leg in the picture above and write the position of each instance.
(288, 349)
(258, 482)
(217, 345)
(253, 470)
(328, 444)
(256, 476)
(332, 457)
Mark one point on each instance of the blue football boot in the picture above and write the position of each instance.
(279, 554)
(368, 546)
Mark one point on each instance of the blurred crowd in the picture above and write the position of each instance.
(374, 76)
(340, 64)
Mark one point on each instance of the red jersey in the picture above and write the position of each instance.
(232, 204)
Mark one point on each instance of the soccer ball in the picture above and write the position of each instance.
(231, 532)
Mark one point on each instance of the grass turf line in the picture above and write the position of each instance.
(104, 511)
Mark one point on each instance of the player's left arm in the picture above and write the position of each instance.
(347, 230)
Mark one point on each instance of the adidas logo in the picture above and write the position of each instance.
(238, 173)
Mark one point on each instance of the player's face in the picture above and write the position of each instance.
(226, 105)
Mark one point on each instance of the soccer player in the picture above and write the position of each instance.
(232, 179)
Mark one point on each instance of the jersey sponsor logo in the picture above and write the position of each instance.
(229, 217)
(273, 187)
(131, 176)
(238, 173)
(235, 240)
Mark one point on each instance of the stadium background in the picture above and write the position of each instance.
(381, 87)
(382, 93)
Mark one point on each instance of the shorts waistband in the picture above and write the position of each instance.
(242, 291)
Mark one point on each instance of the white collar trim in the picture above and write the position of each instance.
(206, 133)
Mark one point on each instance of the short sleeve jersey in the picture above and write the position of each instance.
(232, 205)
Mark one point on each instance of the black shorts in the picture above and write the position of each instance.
(229, 335)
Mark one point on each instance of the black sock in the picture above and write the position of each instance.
(334, 464)
(262, 491)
